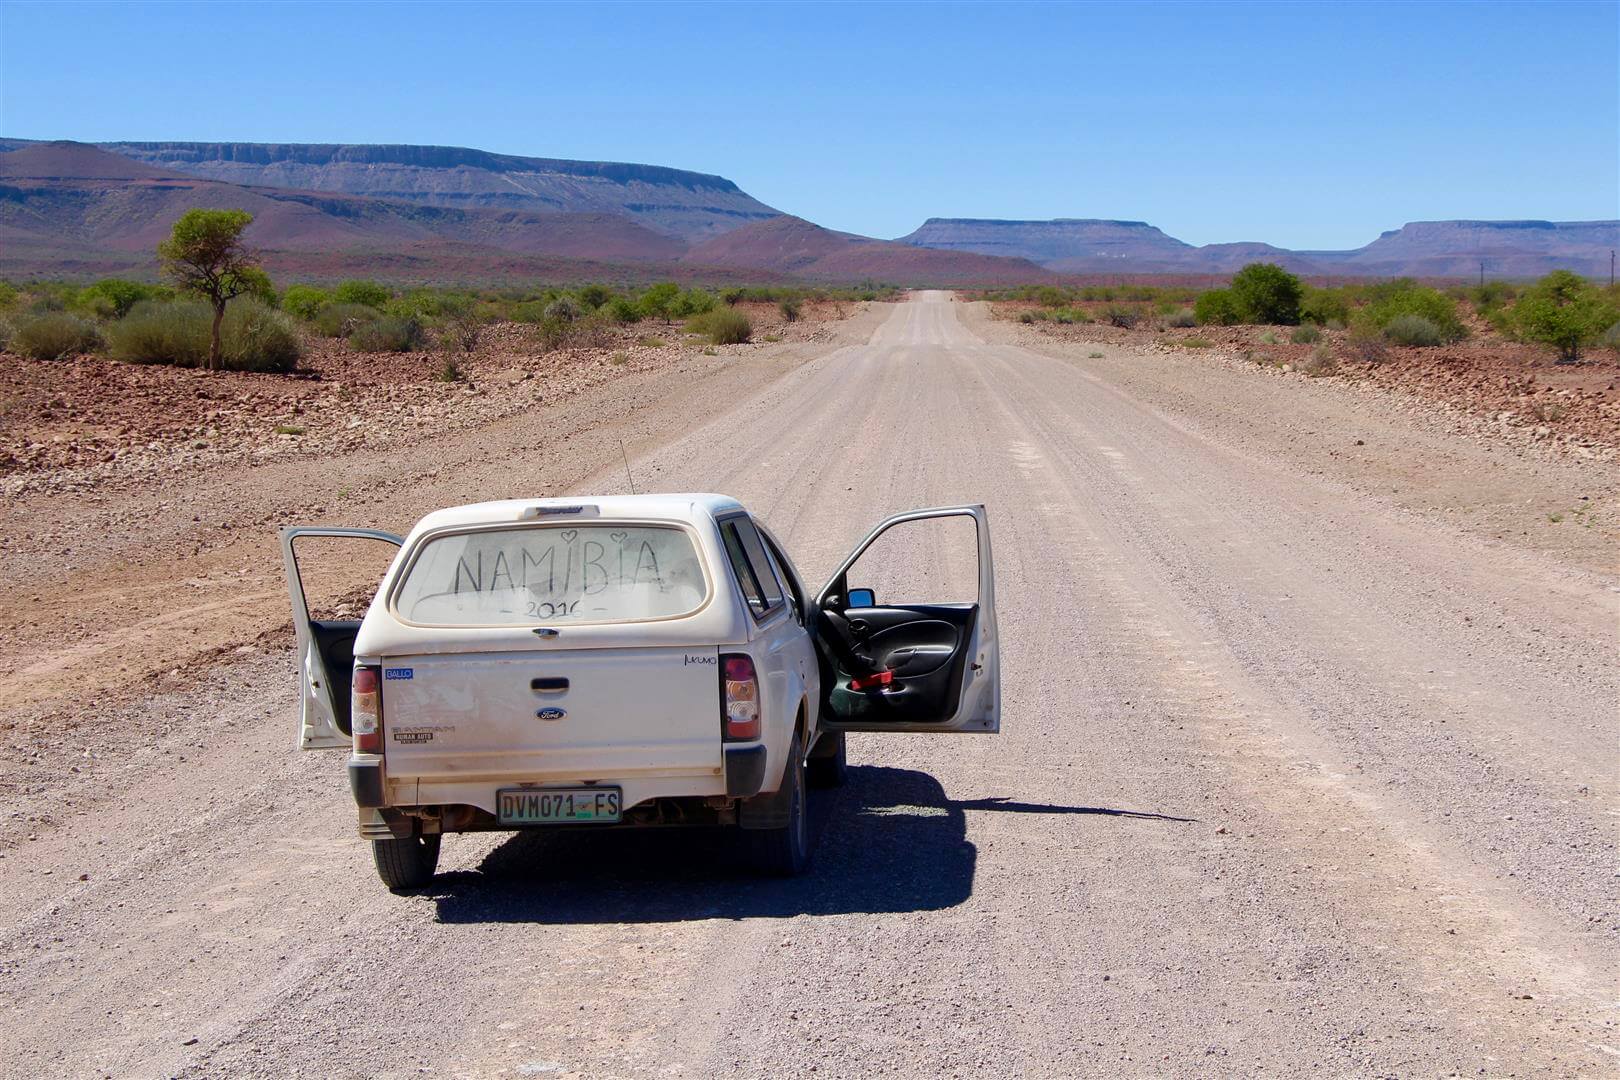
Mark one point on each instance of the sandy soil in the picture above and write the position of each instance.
(1303, 767)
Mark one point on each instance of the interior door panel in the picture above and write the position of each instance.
(923, 650)
(334, 638)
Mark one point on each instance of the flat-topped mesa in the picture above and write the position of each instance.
(1055, 244)
(689, 205)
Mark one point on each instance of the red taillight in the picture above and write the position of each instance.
(365, 711)
(741, 689)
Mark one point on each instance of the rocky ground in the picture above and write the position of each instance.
(96, 424)
(1518, 388)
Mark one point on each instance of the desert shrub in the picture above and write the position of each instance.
(304, 301)
(561, 310)
(622, 309)
(1391, 299)
(1268, 338)
(650, 341)
(1124, 317)
(1265, 293)
(592, 297)
(1218, 307)
(532, 311)
(369, 293)
(55, 335)
(1305, 334)
(1563, 310)
(693, 302)
(1069, 315)
(111, 298)
(1324, 306)
(1610, 339)
(1026, 316)
(1181, 318)
(1367, 345)
(257, 337)
(655, 300)
(789, 307)
(1050, 296)
(1488, 296)
(723, 326)
(1194, 343)
(1414, 330)
(449, 371)
(1319, 363)
(253, 337)
(387, 334)
(341, 320)
(176, 333)
(9, 294)
(6, 332)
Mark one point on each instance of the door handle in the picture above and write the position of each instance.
(548, 685)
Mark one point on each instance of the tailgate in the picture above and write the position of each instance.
(591, 714)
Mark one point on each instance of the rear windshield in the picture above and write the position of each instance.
(553, 573)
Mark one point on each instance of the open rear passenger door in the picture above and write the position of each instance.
(907, 628)
(325, 647)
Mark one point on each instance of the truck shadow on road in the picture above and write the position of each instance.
(889, 841)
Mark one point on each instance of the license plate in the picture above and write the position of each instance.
(559, 806)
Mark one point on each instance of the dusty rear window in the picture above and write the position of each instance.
(547, 574)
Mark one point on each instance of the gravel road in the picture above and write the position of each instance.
(1292, 781)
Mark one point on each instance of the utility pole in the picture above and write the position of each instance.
(1482, 273)
(1611, 268)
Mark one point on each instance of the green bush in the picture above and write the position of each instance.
(1068, 315)
(55, 336)
(1050, 296)
(257, 337)
(1390, 300)
(175, 333)
(6, 332)
(693, 302)
(1414, 330)
(341, 320)
(622, 309)
(111, 298)
(369, 293)
(1490, 295)
(789, 307)
(1611, 338)
(1267, 294)
(1324, 306)
(1181, 318)
(8, 294)
(656, 300)
(387, 334)
(304, 301)
(253, 337)
(1305, 334)
(723, 326)
(1320, 363)
(592, 297)
(1218, 307)
(1565, 311)
(1123, 317)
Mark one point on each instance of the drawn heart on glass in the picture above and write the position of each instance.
(570, 535)
(617, 537)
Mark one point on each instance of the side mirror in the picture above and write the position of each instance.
(862, 598)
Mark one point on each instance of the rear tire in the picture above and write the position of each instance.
(406, 864)
(828, 769)
(785, 852)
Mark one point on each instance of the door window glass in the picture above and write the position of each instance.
(928, 561)
(748, 559)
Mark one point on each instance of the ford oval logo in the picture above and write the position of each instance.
(552, 714)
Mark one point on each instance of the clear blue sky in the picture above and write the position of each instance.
(1306, 125)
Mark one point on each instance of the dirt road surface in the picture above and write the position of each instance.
(1294, 779)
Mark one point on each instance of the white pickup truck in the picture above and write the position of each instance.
(624, 661)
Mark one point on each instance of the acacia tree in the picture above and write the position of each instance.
(205, 255)
(1563, 310)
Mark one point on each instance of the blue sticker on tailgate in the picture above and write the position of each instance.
(399, 673)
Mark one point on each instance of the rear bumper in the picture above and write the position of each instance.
(366, 781)
(745, 770)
